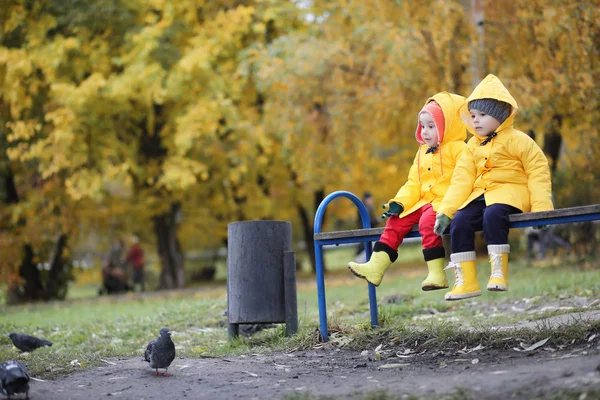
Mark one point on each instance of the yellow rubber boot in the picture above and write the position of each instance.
(465, 276)
(499, 262)
(372, 270)
(436, 278)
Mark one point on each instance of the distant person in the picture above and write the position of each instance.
(533, 242)
(135, 258)
(502, 172)
(441, 136)
(367, 199)
(114, 276)
(114, 256)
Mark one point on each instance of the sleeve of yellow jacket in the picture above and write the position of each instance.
(410, 192)
(537, 170)
(461, 185)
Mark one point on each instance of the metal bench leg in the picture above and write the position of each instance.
(321, 293)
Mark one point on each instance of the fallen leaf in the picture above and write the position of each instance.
(536, 345)
(475, 361)
(378, 347)
(443, 364)
(119, 391)
(592, 337)
(480, 347)
(390, 366)
(500, 372)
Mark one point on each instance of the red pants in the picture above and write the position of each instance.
(396, 228)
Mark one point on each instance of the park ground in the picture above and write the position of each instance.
(539, 340)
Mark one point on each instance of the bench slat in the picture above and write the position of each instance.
(535, 218)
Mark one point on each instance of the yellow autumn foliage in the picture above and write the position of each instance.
(255, 110)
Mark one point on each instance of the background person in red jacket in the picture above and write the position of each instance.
(135, 258)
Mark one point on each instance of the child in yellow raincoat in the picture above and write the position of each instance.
(441, 135)
(501, 172)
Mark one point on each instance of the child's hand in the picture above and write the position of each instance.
(442, 223)
(394, 209)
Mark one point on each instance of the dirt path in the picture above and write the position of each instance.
(343, 374)
(330, 371)
(546, 372)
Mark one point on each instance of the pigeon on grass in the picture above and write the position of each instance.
(160, 352)
(26, 342)
(14, 379)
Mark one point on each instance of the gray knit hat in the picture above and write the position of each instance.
(496, 108)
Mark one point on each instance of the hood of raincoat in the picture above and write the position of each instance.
(489, 88)
(509, 169)
(429, 176)
(454, 129)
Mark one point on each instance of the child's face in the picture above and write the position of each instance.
(483, 123)
(429, 131)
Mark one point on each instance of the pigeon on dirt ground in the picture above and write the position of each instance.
(160, 352)
(14, 378)
(27, 343)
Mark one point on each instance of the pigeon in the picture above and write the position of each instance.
(14, 378)
(160, 352)
(27, 343)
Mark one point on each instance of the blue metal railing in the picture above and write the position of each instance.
(366, 222)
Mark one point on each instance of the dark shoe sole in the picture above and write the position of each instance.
(431, 287)
(360, 276)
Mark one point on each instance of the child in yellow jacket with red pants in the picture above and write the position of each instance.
(441, 135)
(501, 172)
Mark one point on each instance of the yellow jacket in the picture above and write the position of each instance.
(511, 169)
(430, 174)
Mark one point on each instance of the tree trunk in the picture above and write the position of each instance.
(478, 58)
(42, 285)
(169, 250)
(60, 272)
(308, 227)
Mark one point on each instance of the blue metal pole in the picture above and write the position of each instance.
(318, 226)
(321, 293)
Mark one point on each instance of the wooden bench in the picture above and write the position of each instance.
(368, 235)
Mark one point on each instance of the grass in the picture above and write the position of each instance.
(87, 331)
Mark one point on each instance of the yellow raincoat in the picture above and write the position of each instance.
(430, 174)
(510, 169)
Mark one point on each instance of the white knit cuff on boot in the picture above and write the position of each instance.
(464, 256)
(498, 248)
